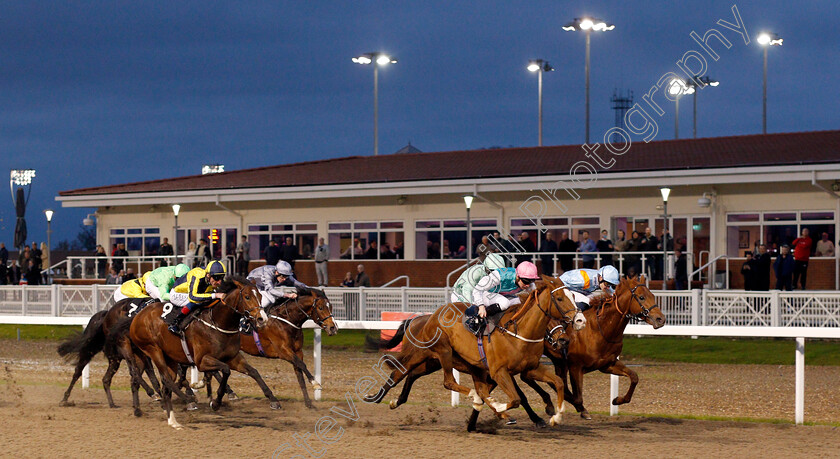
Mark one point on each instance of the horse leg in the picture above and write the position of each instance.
(152, 389)
(210, 363)
(230, 393)
(80, 366)
(538, 421)
(302, 383)
(167, 377)
(113, 366)
(575, 397)
(428, 367)
(298, 362)
(505, 382)
(546, 398)
(239, 364)
(445, 358)
(136, 376)
(408, 361)
(618, 368)
(544, 374)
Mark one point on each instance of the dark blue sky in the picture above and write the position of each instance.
(96, 93)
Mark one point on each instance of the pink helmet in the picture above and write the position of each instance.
(527, 270)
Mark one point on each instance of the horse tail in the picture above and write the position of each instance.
(87, 343)
(374, 343)
(116, 334)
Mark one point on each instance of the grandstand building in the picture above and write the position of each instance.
(728, 194)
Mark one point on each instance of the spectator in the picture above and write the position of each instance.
(784, 267)
(101, 262)
(587, 246)
(14, 273)
(289, 252)
(567, 262)
(634, 244)
(243, 256)
(432, 250)
(605, 245)
(356, 250)
(461, 253)
(37, 255)
(399, 251)
(348, 280)
(549, 245)
(680, 270)
(371, 253)
(825, 248)
(801, 255)
(45, 256)
(4, 254)
(202, 253)
(762, 269)
(113, 278)
(166, 250)
(749, 270)
(649, 243)
(385, 252)
(33, 273)
(272, 253)
(129, 275)
(4, 274)
(189, 257)
(447, 253)
(362, 279)
(322, 255)
(24, 256)
(525, 245)
(119, 254)
(622, 244)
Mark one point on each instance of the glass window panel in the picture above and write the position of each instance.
(255, 228)
(339, 226)
(817, 215)
(742, 218)
(231, 240)
(741, 239)
(428, 224)
(340, 245)
(152, 230)
(776, 217)
(258, 244)
(391, 244)
(483, 223)
(516, 223)
(135, 231)
(117, 231)
(776, 235)
(364, 225)
(306, 243)
(364, 240)
(452, 243)
(555, 221)
(817, 232)
(307, 227)
(152, 245)
(586, 221)
(134, 244)
(427, 245)
(282, 227)
(391, 225)
(455, 224)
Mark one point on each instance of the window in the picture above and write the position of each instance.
(303, 235)
(574, 227)
(745, 231)
(445, 239)
(138, 241)
(366, 240)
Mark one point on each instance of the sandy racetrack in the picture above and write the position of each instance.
(34, 378)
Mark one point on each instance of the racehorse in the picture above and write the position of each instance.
(84, 346)
(213, 337)
(598, 346)
(517, 348)
(282, 336)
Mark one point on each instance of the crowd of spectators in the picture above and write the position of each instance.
(26, 268)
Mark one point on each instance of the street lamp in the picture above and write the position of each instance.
(587, 25)
(766, 39)
(381, 59)
(22, 178)
(539, 66)
(176, 209)
(665, 193)
(468, 199)
(700, 82)
(677, 89)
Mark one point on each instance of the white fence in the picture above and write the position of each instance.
(684, 307)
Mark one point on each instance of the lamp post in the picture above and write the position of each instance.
(587, 25)
(665, 193)
(380, 59)
(49, 214)
(703, 82)
(766, 39)
(677, 89)
(468, 199)
(539, 66)
(22, 178)
(176, 209)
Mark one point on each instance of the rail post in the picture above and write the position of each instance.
(456, 397)
(86, 373)
(775, 308)
(613, 394)
(404, 304)
(317, 357)
(55, 303)
(704, 317)
(800, 381)
(193, 375)
(362, 304)
(696, 304)
(94, 300)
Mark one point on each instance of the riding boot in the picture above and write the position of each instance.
(176, 324)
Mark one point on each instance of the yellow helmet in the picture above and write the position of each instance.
(216, 269)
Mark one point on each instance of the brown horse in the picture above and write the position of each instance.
(84, 346)
(213, 338)
(598, 346)
(515, 348)
(282, 336)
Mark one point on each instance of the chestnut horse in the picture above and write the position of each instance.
(213, 337)
(598, 346)
(516, 348)
(84, 346)
(282, 335)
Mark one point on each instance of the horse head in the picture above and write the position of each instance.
(642, 302)
(316, 304)
(242, 296)
(561, 303)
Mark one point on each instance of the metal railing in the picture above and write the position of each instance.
(90, 267)
(712, 272)
(394, 280)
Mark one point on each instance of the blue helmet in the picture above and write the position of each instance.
(216, 269)
(610, 275)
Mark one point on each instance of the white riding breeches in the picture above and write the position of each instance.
(576, 297)
(179, 299)
(267, 299)
(119, 295)
(503, 301)
(152, 289)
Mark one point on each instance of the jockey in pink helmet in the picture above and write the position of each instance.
(497, 291)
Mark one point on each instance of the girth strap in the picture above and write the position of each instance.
(481, 352)
(257, 341)
(186, 350)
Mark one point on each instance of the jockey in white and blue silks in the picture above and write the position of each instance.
(270, 278)
(462, 291)
(584, 283)
(496, 291)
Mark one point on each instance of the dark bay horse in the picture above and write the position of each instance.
(213, 338)
(282, 336)
(599, 345)
(82, 347)
(516, 348)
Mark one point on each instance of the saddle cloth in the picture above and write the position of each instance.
(138, 304)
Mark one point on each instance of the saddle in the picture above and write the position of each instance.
(481, 327)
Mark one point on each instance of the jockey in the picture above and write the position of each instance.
(270, 278)
(160, 281)
(584, 283)
(197, 290)
(462, 291)
(135, 288)
(492, 293)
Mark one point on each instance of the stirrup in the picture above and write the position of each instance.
(175, 329)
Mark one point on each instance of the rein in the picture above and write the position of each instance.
(318, 321)
(527, 306)
(233, 308)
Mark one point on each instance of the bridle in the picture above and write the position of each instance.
(644, 312)
(566, 320)
(234, 308)
(318, 320)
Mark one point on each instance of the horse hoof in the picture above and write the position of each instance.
(66, 403)
(232, 397)
(178, 427)
(316, 386)
(274, 405)
(113, 406)
(617, 401)
(155, 397)
(549, 410)
(198, 385)
(555, 420)
(585, 415)
(393, 404)
(192, 406)
(540, 424)
(215, 406)
(510, 422)
(137, 412)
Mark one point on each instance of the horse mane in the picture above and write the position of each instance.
(230, 283)
(311, 291)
